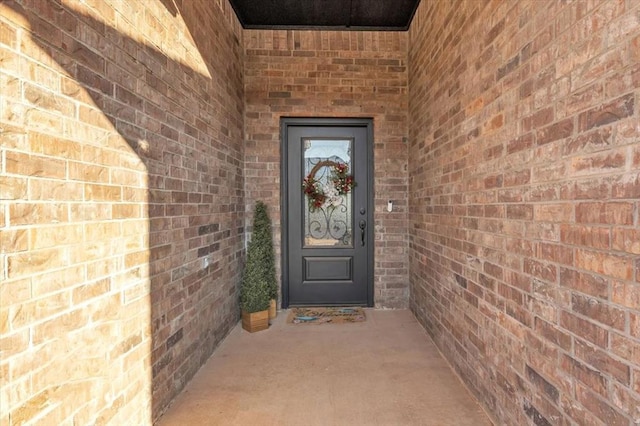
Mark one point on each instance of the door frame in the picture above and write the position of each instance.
(285, 124)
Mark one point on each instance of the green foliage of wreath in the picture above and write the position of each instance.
(341, 180)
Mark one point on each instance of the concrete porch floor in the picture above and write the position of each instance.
(384, 371)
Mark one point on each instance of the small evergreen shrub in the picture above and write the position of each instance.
(259, 278)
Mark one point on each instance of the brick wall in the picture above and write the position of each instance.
(122, 214)
(524, 164)
(333, 74)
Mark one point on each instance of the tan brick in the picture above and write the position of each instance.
(135, 195)
(106, 415)
(53, 146)
(100, 268)
(15, 292)
(33, 262)
(89, 291)
(55, 190)
(11, 63)
(126, 177)
(57, 280)
(94, 250)
(88, 172)
(14, 240)
(70, 87)
(109, 309)
(40, 213)
(13, 137)
(13, 188)
(11, 111)
(99, 155)
(42, 120)
(59, 326)
(80, 131)
(48, 100)
(52, 236)
(35, 311)
(81, 212)
(12, 87)
(14, 343)
(135, 293)
(32, 408)
(126, 211)
(8, 36)
(35, 165)
(101, 231)
(40, 66)
(5, 327)
(102, 192)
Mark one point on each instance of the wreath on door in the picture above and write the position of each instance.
(340, 183)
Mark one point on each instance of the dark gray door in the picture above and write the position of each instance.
(328, 229)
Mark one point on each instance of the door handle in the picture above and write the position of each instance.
(363, 225)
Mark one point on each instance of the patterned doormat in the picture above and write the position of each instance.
(325, 315)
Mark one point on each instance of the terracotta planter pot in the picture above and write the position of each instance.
(256, 321)
(273, 309)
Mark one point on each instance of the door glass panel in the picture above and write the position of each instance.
(327, 205)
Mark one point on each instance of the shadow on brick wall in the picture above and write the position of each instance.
(182, 117)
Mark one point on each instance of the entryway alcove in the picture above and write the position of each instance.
(136, 137)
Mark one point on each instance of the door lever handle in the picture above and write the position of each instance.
(363, 225)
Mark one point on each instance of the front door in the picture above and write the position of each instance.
(327, 211)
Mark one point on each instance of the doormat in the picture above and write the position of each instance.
(325, 315)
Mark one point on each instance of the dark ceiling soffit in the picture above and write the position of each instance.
(240, 15)
(322, 28)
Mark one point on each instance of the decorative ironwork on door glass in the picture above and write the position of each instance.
(328, 197)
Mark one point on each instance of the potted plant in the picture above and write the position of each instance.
(263, 232)
(259, 273)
